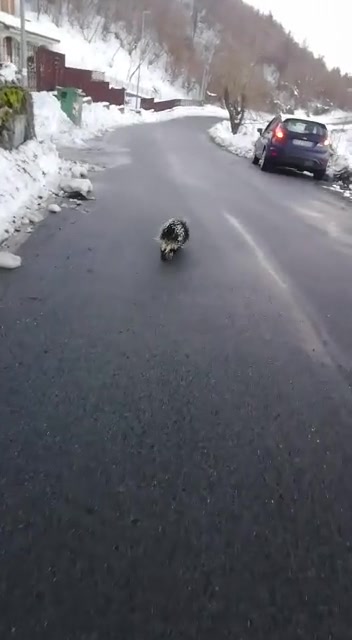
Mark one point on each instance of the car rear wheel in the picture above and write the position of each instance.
(264, 163)
(255, 160)
(319, 175)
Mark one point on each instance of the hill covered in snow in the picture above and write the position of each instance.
(191, 46)
(115, 51)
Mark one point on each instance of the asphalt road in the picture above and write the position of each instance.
(175, 439)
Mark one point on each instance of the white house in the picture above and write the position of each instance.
(10, 34)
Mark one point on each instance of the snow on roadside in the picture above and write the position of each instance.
(97, 118)
(8, 72)
(241, 144)
(26, 175)
(341, 161)
(29, 173)
(342, 144)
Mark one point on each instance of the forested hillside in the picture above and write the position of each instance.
(212, 45)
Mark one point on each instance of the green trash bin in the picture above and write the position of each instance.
(71, 101)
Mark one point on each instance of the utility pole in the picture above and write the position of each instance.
(206, 75)
(195, 16)
(23, 49)
(145, 13)
(203, 83)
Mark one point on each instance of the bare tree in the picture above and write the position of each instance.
(236, 108)
(245, 41)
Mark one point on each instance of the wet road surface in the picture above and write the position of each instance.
(175, 440)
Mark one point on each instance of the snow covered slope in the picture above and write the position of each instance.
(110, 57)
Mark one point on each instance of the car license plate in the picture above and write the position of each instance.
(302, 143)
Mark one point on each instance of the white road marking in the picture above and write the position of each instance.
(259, 253)
(309, 213)
(310, 339)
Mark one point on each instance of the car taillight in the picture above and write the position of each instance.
(278, 133)
(324, 143)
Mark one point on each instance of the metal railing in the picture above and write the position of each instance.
(130, 87)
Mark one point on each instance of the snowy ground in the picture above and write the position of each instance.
(242, 143)
(97, 118)
(26, 176)
(87, 49)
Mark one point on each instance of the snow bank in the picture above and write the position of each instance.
(240, 144)
(52, 123)
(32, 171)
(25, 175)
(342, 144)
(8, 73)
(97, 118)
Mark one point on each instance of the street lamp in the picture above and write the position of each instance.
(144, 14)
(23, 50)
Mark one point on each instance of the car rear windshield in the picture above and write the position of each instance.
(305, 126)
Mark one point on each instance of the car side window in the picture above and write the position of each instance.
(271, 126)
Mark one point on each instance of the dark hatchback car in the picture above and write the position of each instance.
(294, 143)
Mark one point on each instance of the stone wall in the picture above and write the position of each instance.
(16, 116)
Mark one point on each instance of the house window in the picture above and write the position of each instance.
(10, 50)
(7, 49)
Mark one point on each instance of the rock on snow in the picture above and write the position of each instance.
(9, 260)
(78, 171)
(77, 185)
(54, 208)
